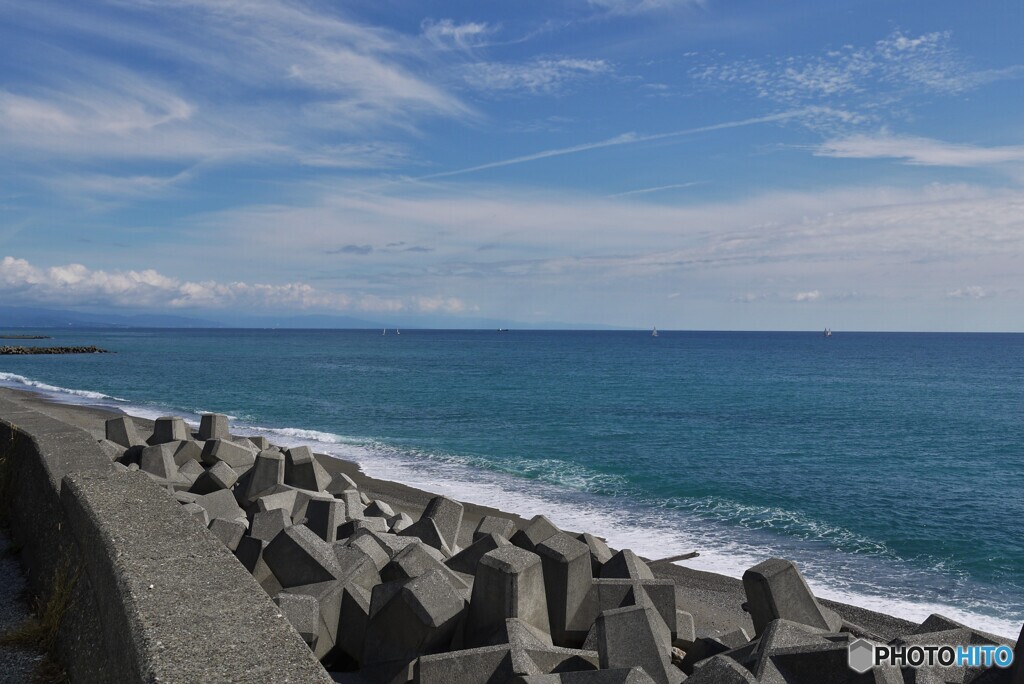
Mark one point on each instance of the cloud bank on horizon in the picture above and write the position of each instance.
(684, 163)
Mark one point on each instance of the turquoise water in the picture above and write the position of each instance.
(889, 466)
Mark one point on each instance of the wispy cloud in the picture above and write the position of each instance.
(920, 151)
(96, 109)
(927, 62)
(809, 296)
(449, 35)
(642, 6)
(78, 103)
(867, 81)
(101, 185)
(972, 292)
(75, 285)
(546, 75)
(835, 241)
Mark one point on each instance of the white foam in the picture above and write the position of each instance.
(624, 527)
(14, 380)
(917, 611)
(300, 437)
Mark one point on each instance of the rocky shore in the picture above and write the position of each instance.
(52, 350)
(383, 589)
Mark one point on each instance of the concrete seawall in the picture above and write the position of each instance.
(154, 597)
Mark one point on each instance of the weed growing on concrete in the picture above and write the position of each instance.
(39, 632)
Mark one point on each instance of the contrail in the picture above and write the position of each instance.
(624, 139)
(644, 191)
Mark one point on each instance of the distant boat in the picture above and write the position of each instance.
(654, 332)
(828, 332)
(397, 331)
(385, 331)
(502, 329)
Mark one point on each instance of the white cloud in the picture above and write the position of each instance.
(926, 63)
(448, 35)
(538, 76)
(972, 292)
(107, 185)
(357, 155)
(867, 82)
(921, 151)
(641, 6)
(75, 284)
(451, 305)
(485, 242)
(365, 93)
(363, 71)
(100, 110)
(78, 104)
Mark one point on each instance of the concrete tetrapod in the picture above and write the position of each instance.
(168, 429)
(637, 636)
(122, 431)
(776, 590)
(509, 584)
(303, 471)
(492, 524)
(538, 529)
(568, 576)
(297, 556)
(407, 620)
(213, 426)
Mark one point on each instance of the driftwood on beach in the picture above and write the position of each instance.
(51, 350)
(390, 599)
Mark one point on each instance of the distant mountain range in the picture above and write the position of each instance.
(32, 317)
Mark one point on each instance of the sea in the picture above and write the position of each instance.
(889, 467)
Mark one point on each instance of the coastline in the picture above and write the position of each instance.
(714, 600)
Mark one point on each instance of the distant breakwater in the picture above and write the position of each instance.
(52, 350)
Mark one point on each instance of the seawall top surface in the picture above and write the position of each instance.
(193, 611)
(167, 590)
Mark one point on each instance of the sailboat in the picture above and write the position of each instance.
(654, 332)
(397, 331)
(828, 332)
(385, 331)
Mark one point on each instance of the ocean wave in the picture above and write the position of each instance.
(658, 532)
(14, 380)
(299, 435)
(791, 523)
(549, 471)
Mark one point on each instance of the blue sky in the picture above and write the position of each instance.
(680, 163)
